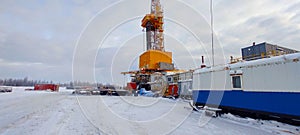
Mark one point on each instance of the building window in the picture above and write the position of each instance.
(169, 79)
(236, 82)
(175, 79)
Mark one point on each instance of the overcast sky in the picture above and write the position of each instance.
(88, 40)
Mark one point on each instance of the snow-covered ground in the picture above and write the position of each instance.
(38, 112)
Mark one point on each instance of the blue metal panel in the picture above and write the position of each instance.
(254, 52)
(286, 103)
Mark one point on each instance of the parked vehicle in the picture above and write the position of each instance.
(5, 89)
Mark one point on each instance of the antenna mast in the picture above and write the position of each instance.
(212, 32)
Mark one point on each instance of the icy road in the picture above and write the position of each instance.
(36, 113)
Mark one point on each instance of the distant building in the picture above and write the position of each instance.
(264, 50)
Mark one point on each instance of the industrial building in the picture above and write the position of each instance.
(264, 50)
(185, 82)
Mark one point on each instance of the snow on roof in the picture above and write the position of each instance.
(173, 72)
(266, 61)
(272, 60)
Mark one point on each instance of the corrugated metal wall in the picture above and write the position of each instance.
(263, 50)
(254, 52)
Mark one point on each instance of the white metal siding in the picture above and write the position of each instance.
(280, 74)
(219, 80)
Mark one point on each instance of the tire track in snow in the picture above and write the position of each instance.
(25, 110)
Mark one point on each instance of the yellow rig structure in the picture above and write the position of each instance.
(155, 59)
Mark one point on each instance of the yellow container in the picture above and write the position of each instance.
(151, 58)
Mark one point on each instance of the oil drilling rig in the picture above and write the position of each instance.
(155, 62)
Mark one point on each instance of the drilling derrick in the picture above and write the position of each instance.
(155, 58)
(153, 23)
(155, 61)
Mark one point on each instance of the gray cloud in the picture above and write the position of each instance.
(271, 22)
(38, 38)
(43, 32)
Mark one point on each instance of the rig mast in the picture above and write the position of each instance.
(153, 23)
(155, 60)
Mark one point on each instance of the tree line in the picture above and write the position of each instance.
(26, 82)
(22, 82)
